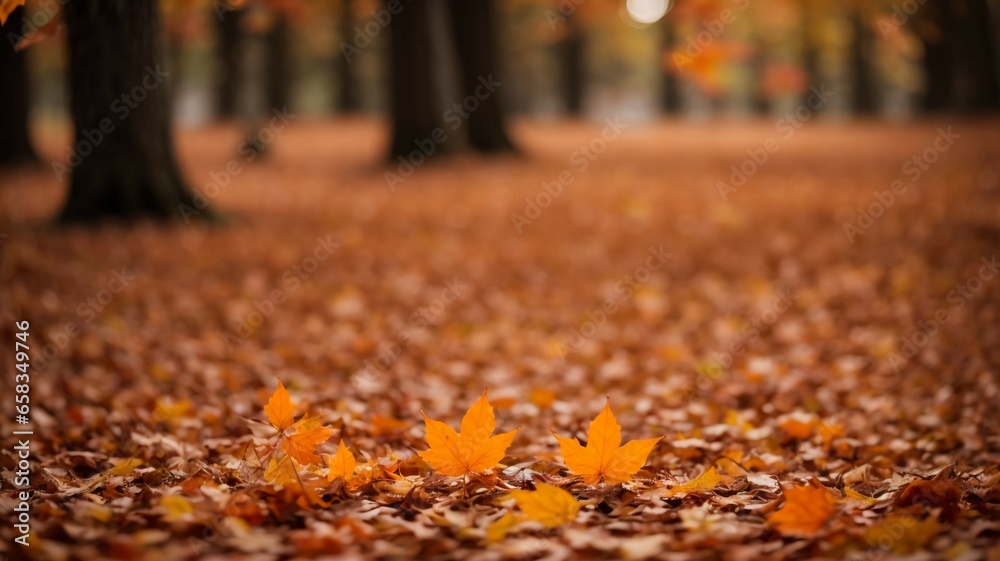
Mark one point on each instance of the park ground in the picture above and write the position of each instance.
(814, 305)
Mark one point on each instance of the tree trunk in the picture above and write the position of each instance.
(123, 165)
(15, 145)
(228, 38)
(863, 92)
(472, 23)
(571, 59)
(416, 66)
(347, 88)
(978, 58)
(671, 96)
(937, 62)
(278, 70)
(810, 54)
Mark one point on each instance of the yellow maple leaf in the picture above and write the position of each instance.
(305, 436)
(342, 464)
(806, 510)
(604, 458)
(279, 408)
(474, 449)
(704, 482)
(281, 472)
(547, 504)
(7, 7)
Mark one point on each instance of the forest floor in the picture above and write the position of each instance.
(847, 377)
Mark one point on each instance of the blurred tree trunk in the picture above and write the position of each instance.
(228, 38)
(571, 59)
(935, 27)
(347, 98)
(277, 73)
(472, 23)
(417, 63)
(123, 165)
(978, 56)
(960, 65)
(671, 95)
(810, 54)
(863, 91)
(15, 144)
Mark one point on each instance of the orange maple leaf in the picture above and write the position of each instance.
(342, 464)
(806, 510)
(474, 450)
(604, 458)
(307, 434)
(279, 408)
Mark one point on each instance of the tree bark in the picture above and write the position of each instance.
(123, 164)
(863, 92)
(571, 59)
(472, 23)
(417, 100)
(671, 95)
(978, 58)
(228, 39)
(347, 88)
(15, 144)
(278, 71)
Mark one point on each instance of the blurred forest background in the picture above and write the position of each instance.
(640, 58)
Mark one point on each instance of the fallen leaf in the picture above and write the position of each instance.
(806, 510)
(281, 472)
(499, 528)
(473, 450)
(704, 482)
(387, 425)
(342, 464)
(902, 534)
(126, 467)
(939, 492)
(175, 508)
(604, 458)
(306, 435)
(547, 504)
(279, 408)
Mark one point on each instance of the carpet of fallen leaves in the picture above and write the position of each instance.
(816, 395)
